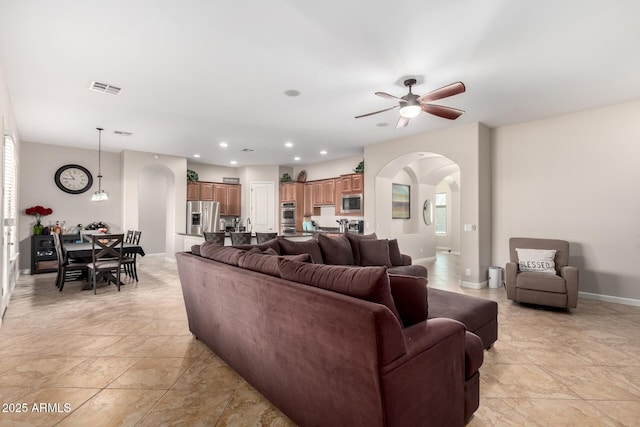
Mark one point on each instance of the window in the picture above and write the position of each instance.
(10, 209)
(441, 213)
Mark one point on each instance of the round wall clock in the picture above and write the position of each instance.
(73, 179)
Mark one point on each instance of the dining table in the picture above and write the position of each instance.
(85, 250)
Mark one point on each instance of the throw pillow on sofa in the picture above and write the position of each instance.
(355, 239)
(293, 247)
(266, 263)
(394, 253)
(410, 296)
(335, 251)
(367, 283)
(225, 254)
(273, 244)
(538, 260)
(374, 252)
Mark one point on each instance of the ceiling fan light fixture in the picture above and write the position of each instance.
(409, 111)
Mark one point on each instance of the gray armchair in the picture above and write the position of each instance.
(556, 290)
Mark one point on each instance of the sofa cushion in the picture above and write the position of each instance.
(394, 253)
(355, 239)
(367, 283)
(292, 247)
(335, 251)
(539, 260)
(374, 252)
(409, 270)
(266, 263)
(410, 296)
(543, 282)
(225, 254)
(273, 244)
(195, 249)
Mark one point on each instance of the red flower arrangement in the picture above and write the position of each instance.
(38, 211)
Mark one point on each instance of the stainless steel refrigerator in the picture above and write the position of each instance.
(203, 216)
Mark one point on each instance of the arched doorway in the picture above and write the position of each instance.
(155, 207)
(422, 171)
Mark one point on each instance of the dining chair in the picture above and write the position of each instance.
(129, 237)
(129, 262)
(240, 238)
(66, 265)
(106, 258)
(265, 237)
(214, 237)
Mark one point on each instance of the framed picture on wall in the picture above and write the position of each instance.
(400, 201)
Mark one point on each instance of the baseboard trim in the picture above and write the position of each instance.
(474, 285)
(423, 261)
(610, 298)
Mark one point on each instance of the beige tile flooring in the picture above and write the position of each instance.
(128, 359)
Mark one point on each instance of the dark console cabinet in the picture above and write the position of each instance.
(43, 253)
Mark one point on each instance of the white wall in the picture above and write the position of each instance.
(466, 145)
(152, 221)
(212, 173)
(174, 169)
(574, 177)
(38, 165)
(330, 168)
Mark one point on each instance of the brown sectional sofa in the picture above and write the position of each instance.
(347, 346)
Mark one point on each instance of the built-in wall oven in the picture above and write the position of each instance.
(288, 217)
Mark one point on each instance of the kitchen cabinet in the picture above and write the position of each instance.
(193, 191)
(351, 183)
(324, 192)
(229, 196)
(308, 200)
(206, 190)
(288, 192)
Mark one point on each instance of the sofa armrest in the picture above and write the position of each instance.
(511, 271)
(427, 383)
(570, 275)
(406, 259)
(473, 354)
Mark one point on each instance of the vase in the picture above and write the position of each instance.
(38, 228)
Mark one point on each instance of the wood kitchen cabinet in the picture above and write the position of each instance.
(229, 196)
(308, 200)
(193, 191)
(292, 192)
(352, 183)
(324, 192)
(206, 190)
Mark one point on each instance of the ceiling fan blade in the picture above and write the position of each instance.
(441, 111)
(402, 122)
(376, 112)
(443, 92)
(387, 96)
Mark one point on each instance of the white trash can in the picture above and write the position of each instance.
(495, 277)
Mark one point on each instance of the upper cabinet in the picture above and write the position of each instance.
(324, 192)
(228, 195)
(291, 192)
(351, 183)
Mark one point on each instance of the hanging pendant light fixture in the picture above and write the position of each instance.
(99, 195)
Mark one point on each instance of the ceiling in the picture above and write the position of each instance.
(196, 73)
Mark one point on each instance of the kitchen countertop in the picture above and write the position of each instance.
(294, 234)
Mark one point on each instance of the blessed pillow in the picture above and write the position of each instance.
(538, 260)
(335, 251)
(367, 283)
(374, 252)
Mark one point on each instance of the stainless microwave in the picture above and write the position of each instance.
(351, 203)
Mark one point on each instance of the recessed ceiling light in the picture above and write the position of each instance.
(233, 162)
(224, 144)
(197, 156)
(296, 158)
(323, 152)
(292, 92)
(288, 144)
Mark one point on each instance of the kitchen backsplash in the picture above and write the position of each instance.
(328, 217)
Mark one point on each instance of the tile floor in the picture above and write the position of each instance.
(128, 359)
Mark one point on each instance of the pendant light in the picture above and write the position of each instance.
(99, 195)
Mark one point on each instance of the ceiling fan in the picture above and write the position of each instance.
(411, 104)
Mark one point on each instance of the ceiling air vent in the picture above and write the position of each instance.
(122, 133)
(105, 88)
(247, 150)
